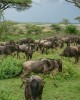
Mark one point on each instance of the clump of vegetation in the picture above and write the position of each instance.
(56, 27)
(34, 29)
(78, 19)
(9, 68)
(71, 29)
(65, 21)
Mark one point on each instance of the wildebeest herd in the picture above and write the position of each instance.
(34, 84)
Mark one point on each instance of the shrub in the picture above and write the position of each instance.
(71, 29)
(56, 27)
(34, 29)
(9, 67)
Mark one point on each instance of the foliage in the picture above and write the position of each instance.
(56, 27)
(65, 21)
(34, 29)
(71, 29)
(4, 29)
(1, 15)
(78, 19)
(76, 2)
(9, 67)
(18, 4)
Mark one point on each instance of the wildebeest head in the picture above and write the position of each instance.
(34, 85)
(34, 88)
(56, 64)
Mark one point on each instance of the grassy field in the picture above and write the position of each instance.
(66, 90)
(68, 81)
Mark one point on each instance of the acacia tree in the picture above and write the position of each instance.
(18, 4)
(65, 21)
(78, 19)
(76, 2)
(1, 15)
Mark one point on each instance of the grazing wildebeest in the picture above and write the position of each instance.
(45, 66)
(46, 46)
(71, 51)
(25, 41)
(11, 42)
(40, 43)
(66, 40)
(25, 49)
(34, 88)
(77, 40)
(7, 49)
(50, 44)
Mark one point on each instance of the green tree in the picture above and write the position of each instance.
(78, 19)
(65, 21)
(18, 4)
(76, 2)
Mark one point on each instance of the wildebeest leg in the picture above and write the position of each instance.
(40, 97)
(11, 54)
(52, 77)
(76, 59)
(53, 72)
(46, 50)
(14, 53)
(52, 49)
(30, 56)
(42, 50)
(27, 57)
(18, 56)
(24, 76)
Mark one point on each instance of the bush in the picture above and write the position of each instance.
(9, 68)
(71, 29)
(56, 27)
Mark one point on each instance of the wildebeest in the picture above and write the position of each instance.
(11, 42)
(71, 51)
(25, 41)
(48, 43)
(66, 40)
(34, 88)
(7, 49)
(25, 49)
(44, 65)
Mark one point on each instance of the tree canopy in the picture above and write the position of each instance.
(76, 2)
(65, 21)
(18, 4)
(78, 19)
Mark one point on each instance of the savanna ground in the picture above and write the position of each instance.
(68, 81)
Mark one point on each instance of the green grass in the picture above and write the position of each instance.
(66, 90)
